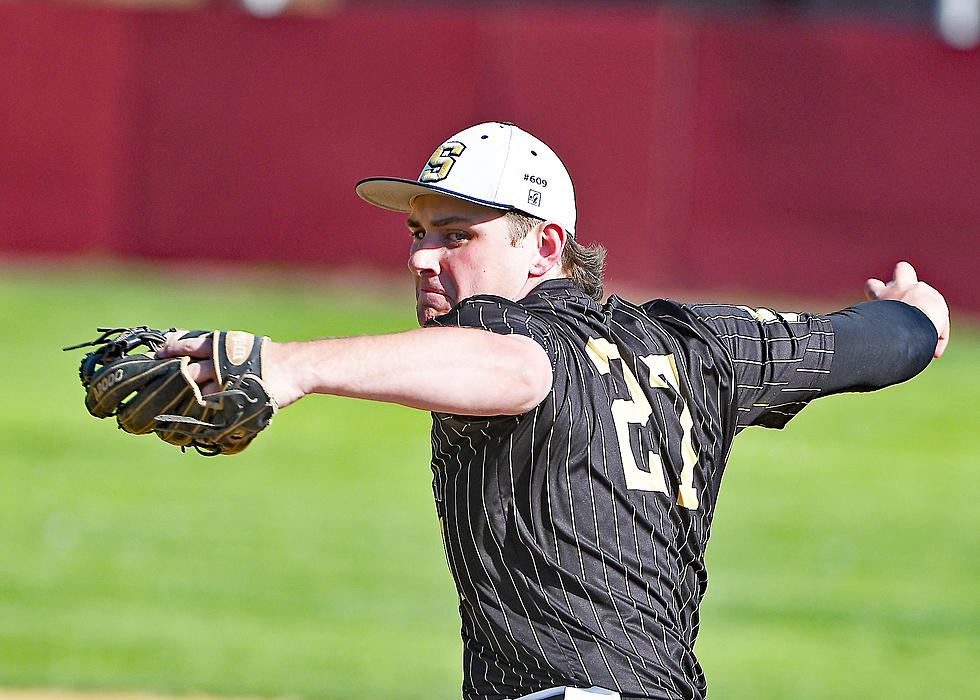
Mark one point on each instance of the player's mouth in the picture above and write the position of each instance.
(439, 300)
(433, 295)
(432, 303)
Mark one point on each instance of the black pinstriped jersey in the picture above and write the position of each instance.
(576, 532)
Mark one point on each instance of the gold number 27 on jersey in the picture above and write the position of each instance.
(637, 409)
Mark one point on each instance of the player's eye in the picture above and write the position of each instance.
(417, 234)
(457, 236)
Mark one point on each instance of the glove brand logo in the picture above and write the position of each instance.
(238, 346)
(442, 162)
(107, 382)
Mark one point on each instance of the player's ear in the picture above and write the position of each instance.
(550, 239)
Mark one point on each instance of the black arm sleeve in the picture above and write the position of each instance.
(878, 343)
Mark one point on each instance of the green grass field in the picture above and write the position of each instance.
(844, 560)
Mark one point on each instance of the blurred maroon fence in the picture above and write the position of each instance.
(714, 152)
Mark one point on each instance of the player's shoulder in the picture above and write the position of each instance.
(701, 327)
(669, 313)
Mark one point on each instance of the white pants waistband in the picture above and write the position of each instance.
(572, 694)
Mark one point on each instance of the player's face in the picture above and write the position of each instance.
(460, 249)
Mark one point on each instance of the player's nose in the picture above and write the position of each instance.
(424, 260)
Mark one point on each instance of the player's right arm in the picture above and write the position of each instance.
(783, 361)
(464, 371)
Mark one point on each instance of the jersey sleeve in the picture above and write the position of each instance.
(500, 315)
(879, 343)
(781, 361)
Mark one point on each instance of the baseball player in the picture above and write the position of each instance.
(578, 445)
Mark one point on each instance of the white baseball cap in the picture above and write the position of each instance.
(495, 164)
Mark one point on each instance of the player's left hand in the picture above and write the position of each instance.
(280, 386)
(906, 287)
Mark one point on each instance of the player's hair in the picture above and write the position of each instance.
(583, 264)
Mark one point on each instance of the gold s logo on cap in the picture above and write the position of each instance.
(441, 161)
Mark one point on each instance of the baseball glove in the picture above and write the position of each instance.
(149, 394)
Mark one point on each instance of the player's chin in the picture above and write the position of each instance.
(427, 310)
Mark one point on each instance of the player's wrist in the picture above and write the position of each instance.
(287, 371)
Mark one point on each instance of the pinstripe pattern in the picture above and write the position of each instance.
(566, 576)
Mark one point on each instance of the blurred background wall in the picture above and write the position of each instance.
(796, 147)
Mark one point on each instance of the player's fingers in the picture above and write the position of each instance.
(202, 373)
(904, 275)
(210, 388)
(873, 288)
(195, 347)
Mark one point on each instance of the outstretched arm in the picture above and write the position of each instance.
(454, 370)
(906, 287)
(873, 344)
